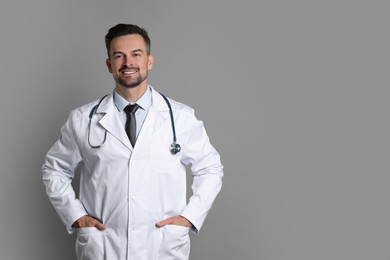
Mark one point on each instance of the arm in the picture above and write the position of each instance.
(207, 174)
(58, 172)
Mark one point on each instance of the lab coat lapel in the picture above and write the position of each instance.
(155, 118)
(110, 121)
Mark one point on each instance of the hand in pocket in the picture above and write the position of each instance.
(175, 220)
(87, 221)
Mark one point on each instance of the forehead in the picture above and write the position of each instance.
(128, 43)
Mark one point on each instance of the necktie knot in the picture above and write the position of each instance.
(131, 109)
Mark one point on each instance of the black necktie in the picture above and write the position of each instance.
(131, 126)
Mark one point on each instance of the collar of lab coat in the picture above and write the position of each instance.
(157, 102)
(110, 120)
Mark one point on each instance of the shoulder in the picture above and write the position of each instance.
(183, 108)
(83, 111)
(184, 115)
(179, 109)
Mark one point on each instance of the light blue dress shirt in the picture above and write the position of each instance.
(144, 102)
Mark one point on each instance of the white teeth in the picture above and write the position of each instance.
(128, 72)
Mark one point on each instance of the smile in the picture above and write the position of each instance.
(129, 71)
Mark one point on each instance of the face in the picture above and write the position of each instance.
(129, 62)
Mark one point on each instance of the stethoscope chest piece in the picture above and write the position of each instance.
(175, 148)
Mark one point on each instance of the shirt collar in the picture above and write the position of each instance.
(144, 102)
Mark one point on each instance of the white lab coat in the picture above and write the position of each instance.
(129, 190)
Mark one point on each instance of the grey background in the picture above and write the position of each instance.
(294, 95)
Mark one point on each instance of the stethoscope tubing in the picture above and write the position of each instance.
(174, 147)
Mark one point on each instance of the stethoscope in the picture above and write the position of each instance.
(174, 148)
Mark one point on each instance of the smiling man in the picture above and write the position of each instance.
(129, 61)
(132, 201)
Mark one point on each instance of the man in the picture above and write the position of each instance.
(132, 199)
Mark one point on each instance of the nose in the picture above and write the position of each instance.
(128, 61)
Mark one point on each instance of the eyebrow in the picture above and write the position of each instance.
(121, 52)
(137, 50)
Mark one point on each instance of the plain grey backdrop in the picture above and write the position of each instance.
(294, 95)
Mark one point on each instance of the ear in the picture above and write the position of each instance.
(108, 63)
(150, 61)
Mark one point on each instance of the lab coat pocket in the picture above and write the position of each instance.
(90, 244)
(175, 243)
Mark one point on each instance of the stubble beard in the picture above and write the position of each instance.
(132, 84)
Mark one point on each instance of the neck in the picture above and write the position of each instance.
(131, 94)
